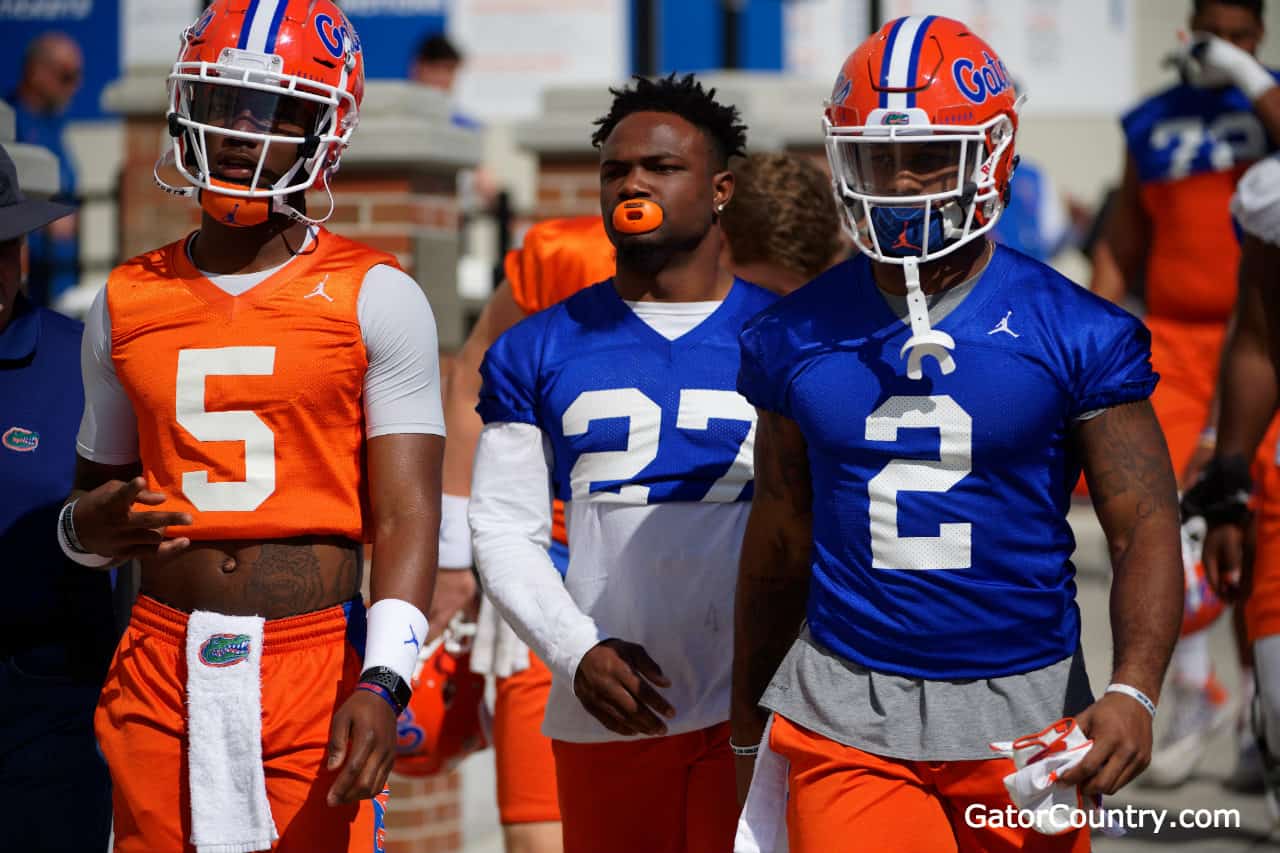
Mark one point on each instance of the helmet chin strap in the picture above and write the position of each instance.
(924, 340)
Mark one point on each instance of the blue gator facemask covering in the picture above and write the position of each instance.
(900, 231)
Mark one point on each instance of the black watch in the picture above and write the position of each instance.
(387, 678)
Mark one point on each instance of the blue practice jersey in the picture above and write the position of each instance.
(1184, 131)
(632, 417)
(941, 546)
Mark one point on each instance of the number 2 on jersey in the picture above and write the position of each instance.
(950, 549)
(194, 367)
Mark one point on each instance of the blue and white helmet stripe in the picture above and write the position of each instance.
(261, 24)
(902, 60)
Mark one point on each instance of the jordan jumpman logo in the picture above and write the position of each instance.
(230, 218)
(903, 242)
(1003, 326)
(319, 291)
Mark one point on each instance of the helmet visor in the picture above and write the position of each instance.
(252, 110)
(897, 167)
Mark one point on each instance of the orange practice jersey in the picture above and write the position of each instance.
(249, 408)
(559, 257)
(1194, 254)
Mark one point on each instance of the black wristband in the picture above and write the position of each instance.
(1220, 495)
(387, 678)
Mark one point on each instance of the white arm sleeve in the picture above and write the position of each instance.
(108, 429)
(1256, 204)
(402, 384)
(510, 518)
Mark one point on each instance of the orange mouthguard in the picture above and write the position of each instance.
(639, 216)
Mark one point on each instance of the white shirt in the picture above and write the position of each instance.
(401, 386)
(661, 575)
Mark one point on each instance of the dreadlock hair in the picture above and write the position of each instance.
(685, 97)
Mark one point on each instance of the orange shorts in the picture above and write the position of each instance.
(674, 794)
(525, 765)
(309, 666)
(1186, 356)
(838, 793)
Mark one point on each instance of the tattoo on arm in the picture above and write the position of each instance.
(1135, 495)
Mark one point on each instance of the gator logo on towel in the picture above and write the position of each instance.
(224, 649)
(20, 439)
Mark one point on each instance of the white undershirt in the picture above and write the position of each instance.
(401, 386)
(672, 319)
(662, 575)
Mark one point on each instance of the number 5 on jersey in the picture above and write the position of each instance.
(194, 367)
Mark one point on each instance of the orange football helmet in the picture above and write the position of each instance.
(446, 719)
(919, 134)
(270, 73)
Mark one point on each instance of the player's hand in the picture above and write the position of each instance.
(1206, 61)
(107, 524)
(1223, 559)
(362, 741)
(1121, 732)
(456, 589)
(615, 683)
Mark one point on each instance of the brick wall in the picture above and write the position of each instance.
(387, 209)
(568, 186)
(425, 815)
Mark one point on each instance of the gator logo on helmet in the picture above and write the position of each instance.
(198, 28)
(21, 439)
(224, 649)
(336, 35)
(895, 119)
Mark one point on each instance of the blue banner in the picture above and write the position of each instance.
(93, 24)
(391, 31)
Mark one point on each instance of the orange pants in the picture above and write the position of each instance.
(673, 794)
(1186, 356)
(526, 768)
(308, 669)
(838, 793)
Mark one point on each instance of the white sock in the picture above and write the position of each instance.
(1191, 664)
(1266, 663)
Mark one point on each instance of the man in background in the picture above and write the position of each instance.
(51, 73)
(56, 631)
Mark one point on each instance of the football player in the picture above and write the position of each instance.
(780, 230)
(619, 401)
(924, 411)
(1170, 228)
(1248, 392)
(261, 397)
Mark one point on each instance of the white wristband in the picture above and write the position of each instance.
(1133, 693)
(88, 560)
(455, 533)
(396, 633)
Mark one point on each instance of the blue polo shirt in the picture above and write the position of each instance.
(47, 598)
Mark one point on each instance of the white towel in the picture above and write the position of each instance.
(1042, 759)
(762, 828)
(229, 808)
(496, 650)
